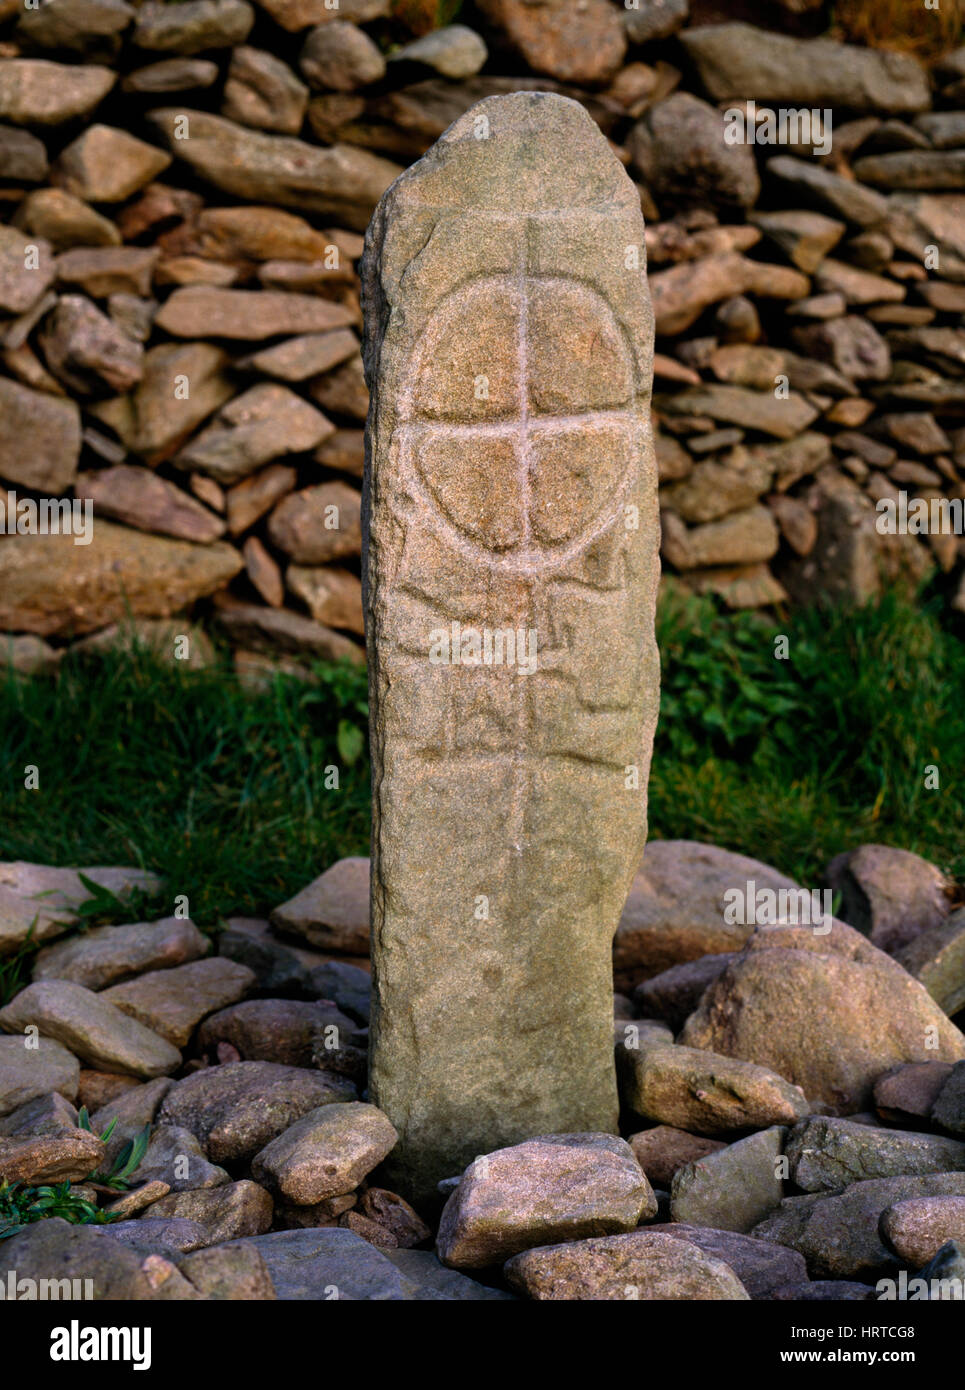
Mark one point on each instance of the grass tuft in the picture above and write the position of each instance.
(223, 791)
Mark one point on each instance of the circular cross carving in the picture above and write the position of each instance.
(519, 429)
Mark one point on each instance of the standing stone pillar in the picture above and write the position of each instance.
(511, 564)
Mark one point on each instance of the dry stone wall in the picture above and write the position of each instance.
(183, 188)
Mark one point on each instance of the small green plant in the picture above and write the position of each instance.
(14, 969)
(126, 1161)
(22, 1205)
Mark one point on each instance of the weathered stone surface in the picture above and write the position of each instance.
(299, 358)
(173, 1002)
(917, 1228)
(740, 61)
(257, 494)
(22, 156)
(173, 1233)
(805, 237)
(586, 44)
(825, 1153)
(698, 1090)
(272, 1030)
(105, 165)
(175, 1158)
(34, 91)
(530, 310)
(782, 417)
(107, 955)
(91, 1027)
(299, 14)
(84, 26)
(332, 912)
(49, 585)
(28, 1072)
(655, 19)
(733, 1188)
(680, 150)
(318, 524)
(280, 630)
(22, 284)
(229, 1272)
(261, 424)
(192, 26)
(107, 270)
(340, 180)
(718, 487)
(332, 595)
(227, 1212)
(169, 639)
(46, 1114)
(650, 1264)
(905, 1094)
(172, 75)
(435, 1283)
(556, 1187)
(309, 1264)
(833, 193)
(40, 440)
(262, 91)
(160, 416)
(949, 1109)
(453, 51)
(830, 1012)
(55, 1250)
(662, 1150)
(130, 1111)
(682, 292)
(889, 895)
(139, 498)
(196, 310)
(673, 995)
(326, 1153)
(838, 1234)
(237, 1108)
(138, 1200)
(55, 1158)
(936, 957)
(86, 350)
(341, 57)
(675, 911)
(762, 1266)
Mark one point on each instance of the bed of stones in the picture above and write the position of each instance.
(183, 346)
(793, 1102)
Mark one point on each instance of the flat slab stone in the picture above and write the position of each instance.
(330, 1263)
(173, 1002)
(332, 912)
(826, 1153)
(30, 1071)
(91, 1027)
(106, 955)
(654, 1266)
(512, 485)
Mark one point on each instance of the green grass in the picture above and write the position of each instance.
(223, 791)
